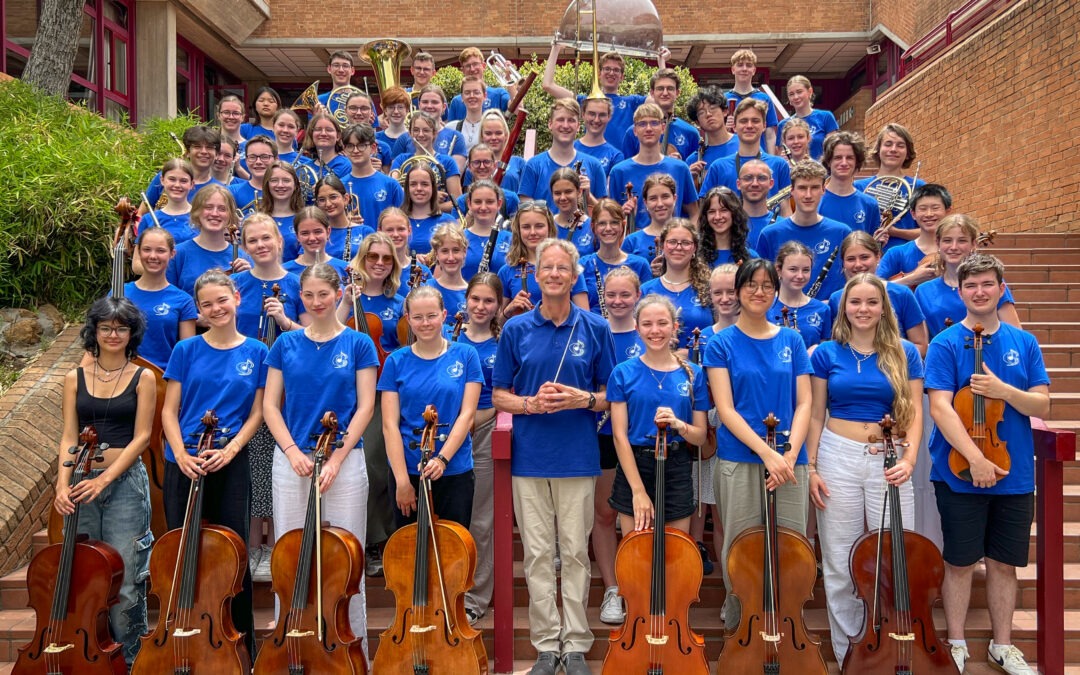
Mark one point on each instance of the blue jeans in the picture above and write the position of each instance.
(120, 517)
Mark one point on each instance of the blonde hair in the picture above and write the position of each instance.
(267, 221)
(568, 104)
(796, 123)
(623, 272)
(744, 55)
(892, 361)
(358, 265)
(665, 302)
(421, 292)
(450, 233)
(198, 203)
(964, 222)
(518, 254)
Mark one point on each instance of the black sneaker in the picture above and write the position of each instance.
(706, 564)
(373, 562)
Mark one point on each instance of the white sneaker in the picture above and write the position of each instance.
(1008, 659)
(262, 571)
(611, 609)
(255, 556)
(960, 656)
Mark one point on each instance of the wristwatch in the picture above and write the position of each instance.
(592, 401)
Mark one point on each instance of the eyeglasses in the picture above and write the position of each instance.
(334, 197)
(356, 147)
(230, 113)
(119, 331)
(259, 158)
(766, 288)
(357, 109)
(675, 243)
(482, 162)
(648, 124)
(425, 318)
(376, 258)
(340, 66)
(755, 178)
(561, 269)
(611, 71)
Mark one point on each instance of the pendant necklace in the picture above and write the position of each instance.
(859, 361)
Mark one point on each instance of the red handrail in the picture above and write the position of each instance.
(957, 25)
(502, 599)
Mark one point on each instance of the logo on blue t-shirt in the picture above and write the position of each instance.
(605, 161)
(824, 246)
(679, 139)
(785, 355)
(813, 320)
(389, 314)
(341, 360)
(380, 196)
(860, 216)
(577, 348)
(162, 309)
(632, 351)
(622, 104)
(683, 389)
(504, 247)
(490, 361)
(245, 368)
(1011, 358)
(696, 301)
(456, 369)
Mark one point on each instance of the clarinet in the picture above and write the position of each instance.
(823, 273)
(489, 251)
(600, 289)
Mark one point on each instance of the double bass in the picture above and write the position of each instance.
(898, 575)
(195, 571)
(981, 417)
(324, 565)
(659, 572)
(772, 570)
(72, 585)
(429, 565)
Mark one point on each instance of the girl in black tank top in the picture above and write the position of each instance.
(114, 417)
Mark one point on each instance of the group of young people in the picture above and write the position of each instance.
(649, 272)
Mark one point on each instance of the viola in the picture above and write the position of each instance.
(367, 323)
(659, 572)
(315, 571)
(898, 575)
(195, 571)
(981, 417)
(72, 584)
(429, 565)
(417, 277)
(459, 322)
(772, 571)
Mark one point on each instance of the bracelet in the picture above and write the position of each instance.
(525, 406)
(291, 446)
(445, 462)
(811, 469)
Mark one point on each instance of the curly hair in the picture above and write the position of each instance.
(699, 271)
(121, 310)
(726, 199)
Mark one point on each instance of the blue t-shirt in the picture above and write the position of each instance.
(858, 210)
(496, 97)
(346, 240)
(510, 276)
(248, 131)
(628, 345)
(905, 223)
(318, 378)
(486, 350)
(725, 255)
(770, 116)
(191, 260)
(164, 310)
(643, 390)
(757, 225)
(247, 197)
(511, 202)
(1014, 356)
(389, 311)
(939, 301)
(453, 300)
(715, 152)
(582, 239)
(447, 142)
(630, 171)
(691, 312)
(290, 246)
(179, 226)
(423, 228)
(374, 193)
(622, 115)
(592, 262)
(821, 123)
(724, 172)
(822, 238)
(531, 350)
(439, 382)
(813, 320)
(764, 379)
(223, 380)
(296, 268)
(252, 293)
(156, 189)
(902, 259)
(536, 177)
(605, 153)
(340, 166)
(683, 136)
(859, 395)
(642, 244)
(475, 254)
(906, 308)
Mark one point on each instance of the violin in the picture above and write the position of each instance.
(232, 234)
(417, 277)
(315, 570)
(981, 417)
(659, 572)
(785, 321)
(72, 585)
(772, 570)
(631, 218)
(195, 571)
(459, 322)
(934, 260)
(268, 328)
(367, 323)
(898, 575)
(429, 565)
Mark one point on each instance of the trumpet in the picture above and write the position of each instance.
(308, 99)
(505, 73)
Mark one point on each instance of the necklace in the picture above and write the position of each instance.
(109, 376)
(665, 279)
(660, 381)
(320, 344)
(855, 353)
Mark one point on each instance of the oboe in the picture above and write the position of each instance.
(600, 289)
(823, 273)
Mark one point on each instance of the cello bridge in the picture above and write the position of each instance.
(183, 633)
(662, 640)
(421, 629)
(299, 633)
(908, 637)
(54, 648)
(771, 637)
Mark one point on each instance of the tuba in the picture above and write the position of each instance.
(385, 56)
(308, 99)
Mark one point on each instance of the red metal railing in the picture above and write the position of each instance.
(957, 25)
(502, 599)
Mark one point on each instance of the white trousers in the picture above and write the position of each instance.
(344, 505)
(856, 482)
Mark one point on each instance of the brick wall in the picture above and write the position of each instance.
(858, 104)
(991, 118)
(899, 16)
(932, 12)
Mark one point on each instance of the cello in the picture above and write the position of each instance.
(72, 584)
(981, 417)
(429, 565)
(660, 577)
(195, 571)
(325, 565)
(898, 575)
(772, 570)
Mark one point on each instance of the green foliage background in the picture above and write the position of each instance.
(64, 170)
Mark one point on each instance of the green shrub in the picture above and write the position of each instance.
(64, 170)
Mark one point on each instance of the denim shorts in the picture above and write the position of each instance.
(678, 485)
